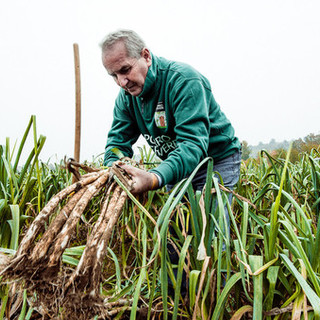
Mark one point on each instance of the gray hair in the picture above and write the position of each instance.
(132, 41)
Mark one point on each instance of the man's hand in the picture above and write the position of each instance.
(142, 180)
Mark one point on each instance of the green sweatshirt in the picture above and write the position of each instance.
(179, 118)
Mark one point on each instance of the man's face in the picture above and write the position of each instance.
(129, 73)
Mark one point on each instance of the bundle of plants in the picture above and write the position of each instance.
(37, 262)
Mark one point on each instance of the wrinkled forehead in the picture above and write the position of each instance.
(116, 54)
(116, 58)
(117, 48)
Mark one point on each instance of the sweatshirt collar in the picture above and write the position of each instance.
(151, 78)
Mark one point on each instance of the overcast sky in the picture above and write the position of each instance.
(261, 57)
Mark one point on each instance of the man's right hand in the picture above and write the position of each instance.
(142, 180)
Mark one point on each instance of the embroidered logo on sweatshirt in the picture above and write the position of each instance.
(160, 116)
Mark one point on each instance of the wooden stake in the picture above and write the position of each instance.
(77, 134)
(78, 103)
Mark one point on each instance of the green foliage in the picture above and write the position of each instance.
(24, 190)
(19, 185)
(279, 149)
(269, 260)
(246, 150)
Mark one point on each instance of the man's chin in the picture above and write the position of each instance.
(134, 91)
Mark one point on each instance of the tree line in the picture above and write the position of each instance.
(279, 149)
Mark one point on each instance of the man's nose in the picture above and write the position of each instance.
(123, 81)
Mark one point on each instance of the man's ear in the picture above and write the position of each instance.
(145, 53)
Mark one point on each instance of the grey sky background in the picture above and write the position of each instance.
(261, 57)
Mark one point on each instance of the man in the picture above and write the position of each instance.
(172, 106)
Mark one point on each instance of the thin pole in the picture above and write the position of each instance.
(77, 134)
(78, 103)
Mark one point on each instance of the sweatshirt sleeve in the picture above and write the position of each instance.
(123, 133)
(190, 102)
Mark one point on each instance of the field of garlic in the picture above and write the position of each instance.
(91, 250)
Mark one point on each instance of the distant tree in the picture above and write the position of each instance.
(279, 149)
(246, 151)
(306, 144)
(312, 139)
(272, 144)
(279, 153)
(260, 145)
